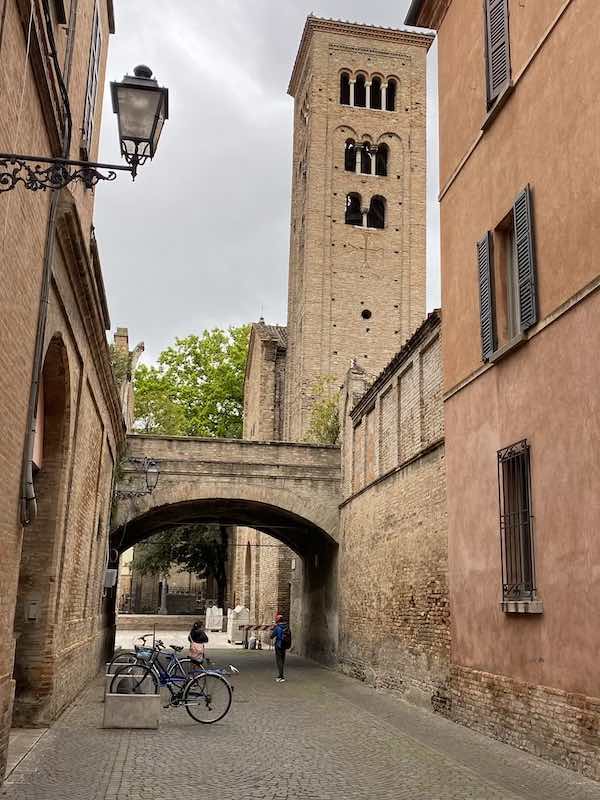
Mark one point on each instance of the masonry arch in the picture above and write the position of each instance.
(315, 620)
(288, 491)
(36, 595)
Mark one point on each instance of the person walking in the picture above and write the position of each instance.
(283, 641)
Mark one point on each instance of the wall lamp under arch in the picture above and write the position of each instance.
(141, 106)
(151, 469)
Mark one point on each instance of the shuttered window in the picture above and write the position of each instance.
(498, 48)
(91, 90)
(507, 279)
(486, 296)
(525, 259)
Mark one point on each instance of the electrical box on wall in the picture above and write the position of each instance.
(33, 610)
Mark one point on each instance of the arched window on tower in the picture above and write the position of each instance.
(376, 214)
(360, 92)
(391, 95)
(376, 93)
(353, 209)
(345, 89)
(365, 160)
(350, 156)
(381, 159)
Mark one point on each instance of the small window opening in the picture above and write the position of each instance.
(391, 95)
(366, 314)
(376, 93)
(350, 156)
(360, 92)
(365, 160)
(353, 209)
(345, 89)
(381, 162)
(376, 215)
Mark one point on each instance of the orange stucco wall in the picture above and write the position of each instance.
(546, 135)
(548, 393)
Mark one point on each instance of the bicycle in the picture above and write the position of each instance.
(130, 656)
(206, 694)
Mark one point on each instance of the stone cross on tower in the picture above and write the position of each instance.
(357, 246)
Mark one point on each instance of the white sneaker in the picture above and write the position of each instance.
(279, 680)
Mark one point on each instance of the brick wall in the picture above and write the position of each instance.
(553, 724)
(62, 555)
(393, 593)
(339, 271)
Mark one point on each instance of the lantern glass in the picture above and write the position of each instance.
(142, 106)
(152, 474)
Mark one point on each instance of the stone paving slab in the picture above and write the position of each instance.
(319, 736)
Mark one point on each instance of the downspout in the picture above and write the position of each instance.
(28, 504)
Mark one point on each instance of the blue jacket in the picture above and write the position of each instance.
(277, 634)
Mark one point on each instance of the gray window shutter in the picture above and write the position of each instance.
(525, 258)
(498, 47)
(486, 296)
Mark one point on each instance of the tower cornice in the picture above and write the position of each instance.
(313, 24)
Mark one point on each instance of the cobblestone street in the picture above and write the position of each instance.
(319, 736)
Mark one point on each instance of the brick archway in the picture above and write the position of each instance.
(289, 491)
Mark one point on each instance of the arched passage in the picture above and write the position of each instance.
(287, 490)
(314, 616)
(34, 653)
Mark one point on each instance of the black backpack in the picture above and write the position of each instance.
(286, 638)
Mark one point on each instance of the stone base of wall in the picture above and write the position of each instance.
(550, 723)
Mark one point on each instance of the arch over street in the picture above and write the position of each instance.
(289, 491)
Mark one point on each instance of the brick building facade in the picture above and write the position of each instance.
(52, 604)
(357, 293)
(393, 561)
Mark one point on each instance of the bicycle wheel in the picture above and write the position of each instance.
(207, 698)
(120, 658)
(134, 679)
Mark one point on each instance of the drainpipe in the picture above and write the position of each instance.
(28, 503)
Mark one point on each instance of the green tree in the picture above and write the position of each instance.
(197, 389)
(196, 548)
(324, 426)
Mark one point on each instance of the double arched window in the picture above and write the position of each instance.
(372, 216)
(362, 91)
(366, 158)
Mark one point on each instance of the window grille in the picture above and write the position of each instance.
(516, 522)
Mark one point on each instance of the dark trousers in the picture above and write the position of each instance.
(280, 660)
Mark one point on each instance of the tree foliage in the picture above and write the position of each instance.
(196, 548)
(324, 426)
(197, 388)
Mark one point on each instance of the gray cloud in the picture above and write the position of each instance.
(201, 238)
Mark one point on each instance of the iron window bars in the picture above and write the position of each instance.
(516, 522)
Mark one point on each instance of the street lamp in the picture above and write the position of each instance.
(151, 469)
(141, 106)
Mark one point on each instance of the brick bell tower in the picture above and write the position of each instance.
(357, 245)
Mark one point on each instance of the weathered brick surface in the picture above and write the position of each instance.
(63, 553)
(337, 271)
(393, 592)
(561, 726)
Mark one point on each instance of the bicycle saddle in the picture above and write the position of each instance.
(176, 648)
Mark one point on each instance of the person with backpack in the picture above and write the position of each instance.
(283, 641)
(197, 638)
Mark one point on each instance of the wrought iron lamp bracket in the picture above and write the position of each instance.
(39, 174)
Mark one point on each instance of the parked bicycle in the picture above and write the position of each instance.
(206, 694)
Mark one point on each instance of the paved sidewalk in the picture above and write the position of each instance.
(319, 736)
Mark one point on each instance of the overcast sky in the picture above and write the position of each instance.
(201, 238)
